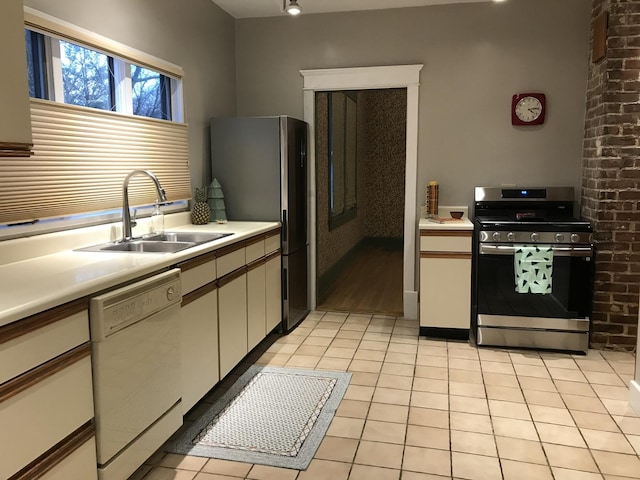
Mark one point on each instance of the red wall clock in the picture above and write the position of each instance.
(528, 108)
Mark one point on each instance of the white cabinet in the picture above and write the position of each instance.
(15, 117)
(232, 317)
(46, 395)
(273, 290)
(256, 303)
(445, 282)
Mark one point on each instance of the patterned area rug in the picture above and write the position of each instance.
(270, 416)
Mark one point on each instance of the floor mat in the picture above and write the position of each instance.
(270, 416)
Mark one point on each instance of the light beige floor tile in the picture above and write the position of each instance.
(437, 401)
(594, 366)
(355, 327)
(388, 413)
(618, 407)
(464, 364)
(317, 341)
(610, 392)
(468, 405)
(470, 422)
(566, 374)
(634, 440)
(553, 360)
(465, 389)
(509, 427)
(617, 464)
(494, 355)
(571, 458)
(273, 359)
(226, 467)
(432, 350)
(469, 354)
(364, 379)
(403, 348)
(522, 471)
(500, 408)
(182, 462)
(329, 363)
(375, 355)
(345, 343)
(325, 470)
(359, 392)
(526, 358)
(340, 352)
(468, 466)
(465, 376)
(560, 434)
(353, 409)
(346, 427)
(392, 396)
(611, 356)
(379, 454)
(432, 361)
(559, 416)
(376, 336)
(285, 348)
(313, 350)
(595, 421)
(525, 370)
(404, 358)
(438, 373)
(509, 394)
(582, 403)
(428, 437)
(608, 441)
(498, 367)
(549, 399)
(471, 442)
(521, 450)
(406, 475)
(564, 474)
(575, 388)
(395, 381)
(427, 460)
(428, 417)
(430, 385)
(500, 380)
(623, 368)
(377, 431)
(302, 361)
(336, 448)
(323, 332)
(266, 472)
(398, 369)
(365, 472)
(372, 345)
(161, 473)
(540, 384)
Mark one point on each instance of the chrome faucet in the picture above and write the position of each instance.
(127, 224)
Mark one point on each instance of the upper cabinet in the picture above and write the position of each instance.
(15, 118)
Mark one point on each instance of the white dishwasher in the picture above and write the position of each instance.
(135, 357)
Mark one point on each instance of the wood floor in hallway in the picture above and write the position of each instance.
(370, 283)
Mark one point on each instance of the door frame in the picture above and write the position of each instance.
(367, 78)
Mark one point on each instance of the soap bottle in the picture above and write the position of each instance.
(157, 220)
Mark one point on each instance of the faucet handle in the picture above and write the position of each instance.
(133, 218)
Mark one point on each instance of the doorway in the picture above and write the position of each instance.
(360, 78)
(360, 183)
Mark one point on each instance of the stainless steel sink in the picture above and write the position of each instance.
(194, 237)
(168, 242)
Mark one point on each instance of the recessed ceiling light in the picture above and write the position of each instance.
(292, 8)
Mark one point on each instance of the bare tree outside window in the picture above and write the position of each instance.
(149, 92)
(86, 77)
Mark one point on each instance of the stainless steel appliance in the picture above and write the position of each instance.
(261, 164)
(135, 357)
(547, 303)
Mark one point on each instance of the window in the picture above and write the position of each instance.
(342, 157)
(35, 65)
(151, 93)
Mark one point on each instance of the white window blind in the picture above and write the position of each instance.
(81, 157)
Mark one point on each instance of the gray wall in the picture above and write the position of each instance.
(475, 56)
(194, 34)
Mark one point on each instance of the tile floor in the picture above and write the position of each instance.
(423, 409)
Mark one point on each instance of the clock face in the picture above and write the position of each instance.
(528, 109)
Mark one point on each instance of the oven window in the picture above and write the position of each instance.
(570, 295)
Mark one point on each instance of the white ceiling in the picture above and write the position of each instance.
(272, 8)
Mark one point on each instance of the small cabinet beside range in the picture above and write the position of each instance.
(445, 279)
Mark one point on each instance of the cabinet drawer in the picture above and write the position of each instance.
(197, 272)
(230, 258)
(272, 242)
(254, 249)
(442, 243)
(38, 417)
(81, 463)
(37, 339)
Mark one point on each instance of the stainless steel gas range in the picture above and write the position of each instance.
(533, 267)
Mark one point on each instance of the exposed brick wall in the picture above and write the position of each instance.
(611, 176)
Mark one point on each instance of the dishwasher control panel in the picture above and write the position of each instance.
(117, 309)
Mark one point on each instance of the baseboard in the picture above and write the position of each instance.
(451, 333)
(410, 304)
(634, 396)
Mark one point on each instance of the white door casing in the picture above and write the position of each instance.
(366, 78)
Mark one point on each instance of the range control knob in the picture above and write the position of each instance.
(484, 237)
(559, 237)
(575, 237)
(511, 236)
(534, 237)
(496, 236)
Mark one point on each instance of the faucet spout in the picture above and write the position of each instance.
(127, 224)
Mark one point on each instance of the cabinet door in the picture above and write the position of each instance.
(273, 290)
(445, 292)
(256, 305)
(232, 318)
(199, 344)
(15, 117)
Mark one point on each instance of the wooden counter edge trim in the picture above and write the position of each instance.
(199, 292)
(34, 322)
(230, 248)
(197, 261)
(459, 255)
(273, 232)
(15, 149)
(256, 263)
(28, 379)
(57, 453)
(230, 277)
(446, 233)
(272, 255)
(255, 239)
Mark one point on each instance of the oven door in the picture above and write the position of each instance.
(557, 319)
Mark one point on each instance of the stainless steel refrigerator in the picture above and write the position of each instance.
(260, 163)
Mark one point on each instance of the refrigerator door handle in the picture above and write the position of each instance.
(284, 284)
(284, 225)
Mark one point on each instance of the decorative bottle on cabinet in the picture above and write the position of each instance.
(431, 199)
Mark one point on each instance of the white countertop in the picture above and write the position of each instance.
(32, 285)
(443, 211)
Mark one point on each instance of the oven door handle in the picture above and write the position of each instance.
(558, 251)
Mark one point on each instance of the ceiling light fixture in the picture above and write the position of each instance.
(292, 8)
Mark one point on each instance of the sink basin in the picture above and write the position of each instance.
(193, 237)
(145, 246)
